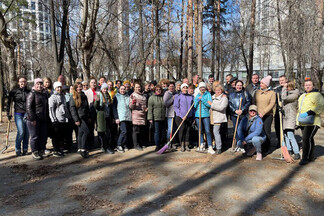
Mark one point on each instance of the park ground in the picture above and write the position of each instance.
(175, 183)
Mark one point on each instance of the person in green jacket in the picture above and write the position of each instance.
(156, 115)
(310, 105)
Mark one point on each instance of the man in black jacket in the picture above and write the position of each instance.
(254, 85)
(18, 96)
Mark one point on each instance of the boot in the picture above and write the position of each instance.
(187, 146)
(182, 146)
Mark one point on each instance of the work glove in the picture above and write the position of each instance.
(303, 115)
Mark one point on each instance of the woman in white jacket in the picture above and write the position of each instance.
(218, 107)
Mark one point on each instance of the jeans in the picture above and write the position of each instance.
(22, 133)
(83, 134)
(38, 135)
(170, 122)
(159, 131)
(291, 141)
(125, 130)
(217, 136)
(256, 142)
(206, 122)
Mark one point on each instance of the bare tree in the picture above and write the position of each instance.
(190, 38)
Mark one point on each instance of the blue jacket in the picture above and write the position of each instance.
(234, 102)
(182, 103)
(256, 129)
(121, 108)
(204, 104)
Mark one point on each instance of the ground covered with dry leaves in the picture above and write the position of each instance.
(175, 183)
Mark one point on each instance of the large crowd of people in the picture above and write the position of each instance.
(131, 114)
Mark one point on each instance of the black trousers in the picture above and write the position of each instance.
(61, 133)
(184, 130)
(267, 121)
(38, 135)
(308, 142)
(277, 127)
(138, 135)
(83, 134)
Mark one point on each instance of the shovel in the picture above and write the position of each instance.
(7, 139)
(166, 146)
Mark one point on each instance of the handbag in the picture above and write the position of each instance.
(308, 119)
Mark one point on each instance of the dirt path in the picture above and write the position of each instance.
(143, 183)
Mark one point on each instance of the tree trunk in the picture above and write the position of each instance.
(157, 40)
(141, 34)
(220, 75)
(251, 45)
(152, 45)
(200, 40)
(190, 39)
(181, 42)
(1, 83)
(213, 40)
(280, 36)
(73, 71)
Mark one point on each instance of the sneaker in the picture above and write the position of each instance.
(296, 156)
(290, 152)
(120, 149)
(25, 152)
(83, 153)
(36, 155)
(126, 149)
(211, 150)
(18, 153)
(242, 150)
(47, 152)
(58, 154)
(259, 156)
(218, 151)
(157, 148)
(303, 162)
(109, 151)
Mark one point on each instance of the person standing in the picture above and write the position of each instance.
(265, 100)
(59, 115)
(18, 96)
(37, 117)
(156, 115)
(218, 109)
(182, 103)
(206, 100)
(310, 107)
(168, 99)
(137, 104)
(80, 112)
(289, 96)
(254, 85)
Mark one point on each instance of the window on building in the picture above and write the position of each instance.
(33, 5)
(40, 6)
(41, 37)
(41, 17)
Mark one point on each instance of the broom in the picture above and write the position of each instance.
(166, 146)
(284, 150)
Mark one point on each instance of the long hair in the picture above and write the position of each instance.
(76, 96)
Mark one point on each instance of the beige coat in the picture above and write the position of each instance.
(138, 109)
(218, 109)
(289, 103)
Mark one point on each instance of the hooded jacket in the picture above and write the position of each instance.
(18, 96)
(58, 108)
(249, 128)
(82, 112)
(204, 104)
(218, 108)
(182, 103)
(289, 102)
(168, 99)
(156, 108)
(121, 108)
(37, 106)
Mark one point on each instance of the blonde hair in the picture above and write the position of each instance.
(219, 86)
(291, 85)
(215, 83)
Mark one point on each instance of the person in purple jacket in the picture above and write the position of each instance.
(182, 103)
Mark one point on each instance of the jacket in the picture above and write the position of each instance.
(204, 104)
(121, 108)
(218, 108)
(103, 111)
(182, 103)
(37, 106)
(156, 108)
(265, 101)
(82, 112)
(251, 88)
(249, 128)
(138, 109)
(168, 99)
(18, 96)
(313, 104)
(234, 102)
(289, 103)
(58, 108)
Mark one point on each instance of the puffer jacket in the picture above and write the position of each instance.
(138, 109)
(121, 108)
(58, 108)
(313, 104)
(18, 96)
(101, 106)
(168, 99)
(218, 108)
(156, 108)
(289, 102)
(234, 102)
(249, 128)
(82, 112)
(37, 106)
(204, 105)
(182, 103)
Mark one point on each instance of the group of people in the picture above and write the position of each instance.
(124, 113)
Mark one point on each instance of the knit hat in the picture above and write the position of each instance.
(253, 107)
(184, 85)
(266, 80)
(104, 86)
(202, 85)
(37, 80)
(57, 84)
